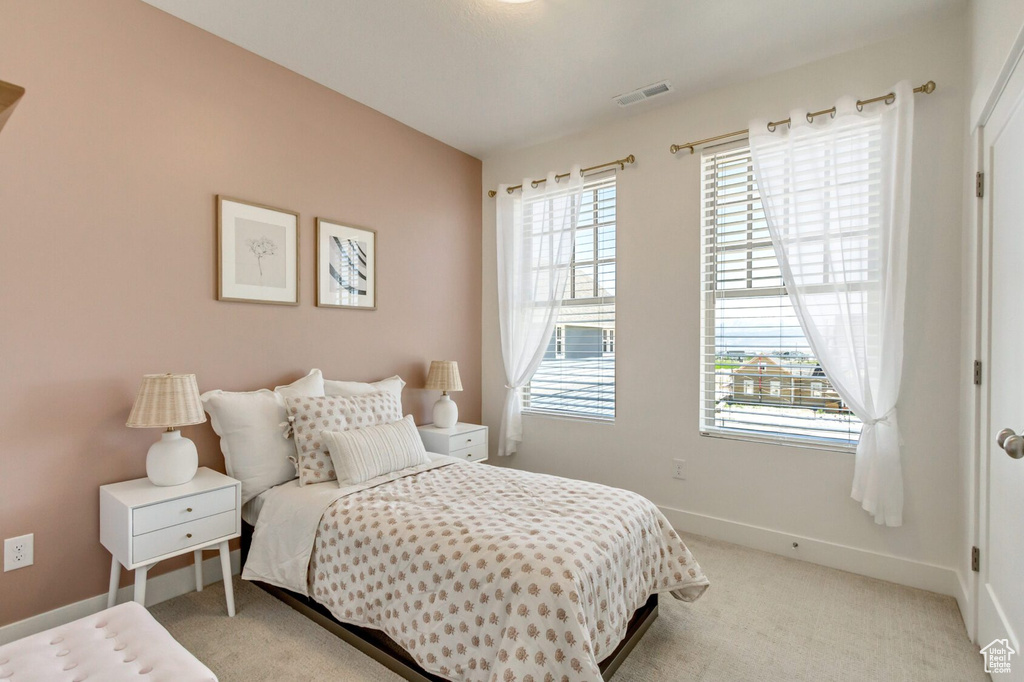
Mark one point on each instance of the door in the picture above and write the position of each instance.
(1001, 471)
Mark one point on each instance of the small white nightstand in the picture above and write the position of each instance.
(465, 441)
(141, 524)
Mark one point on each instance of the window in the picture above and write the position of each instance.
(577, 375)
(607, 340)
(759, 378)
(817, 389)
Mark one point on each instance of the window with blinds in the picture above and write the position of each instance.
(759, 378)
(577, 376)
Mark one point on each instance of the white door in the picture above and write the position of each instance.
(1001, 482)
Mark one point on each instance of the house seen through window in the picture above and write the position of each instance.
(759, 377)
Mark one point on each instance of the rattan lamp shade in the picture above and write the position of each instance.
(167, 401)
(443, 376)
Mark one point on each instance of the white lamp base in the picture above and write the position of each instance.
(446, 412)
(172, 460)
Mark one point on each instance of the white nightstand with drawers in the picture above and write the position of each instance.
(465, 441)
(142, 524)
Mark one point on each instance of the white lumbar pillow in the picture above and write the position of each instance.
(256, 450)
(348, 389)
(361, 454)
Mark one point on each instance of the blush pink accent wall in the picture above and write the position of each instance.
(132, 122)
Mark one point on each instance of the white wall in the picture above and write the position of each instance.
(993, 25)
(791, 491)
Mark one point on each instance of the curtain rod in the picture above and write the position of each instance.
(928, 88)
(621, 163)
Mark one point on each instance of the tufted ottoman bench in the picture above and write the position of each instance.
(121, 643)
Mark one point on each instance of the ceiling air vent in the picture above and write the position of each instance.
(640, 94)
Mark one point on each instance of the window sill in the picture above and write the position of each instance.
(806, 444)
(569, 417)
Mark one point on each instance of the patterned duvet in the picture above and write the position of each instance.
(486, 573)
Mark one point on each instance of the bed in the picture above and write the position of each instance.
(458, 571)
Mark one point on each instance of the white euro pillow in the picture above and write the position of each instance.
(349, 389)
(256, 451)
(361, 454)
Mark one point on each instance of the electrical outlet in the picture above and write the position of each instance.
(680, 469)
(18, 552)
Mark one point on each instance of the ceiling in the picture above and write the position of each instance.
(483, 76)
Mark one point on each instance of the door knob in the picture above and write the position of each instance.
(1009, 441)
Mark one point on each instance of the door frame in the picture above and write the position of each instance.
(977, 338)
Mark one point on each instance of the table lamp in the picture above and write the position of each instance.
(444, 376)
(168, 401)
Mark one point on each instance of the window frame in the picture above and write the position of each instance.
(710, 294)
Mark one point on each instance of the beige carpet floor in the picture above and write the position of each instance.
(765, 617)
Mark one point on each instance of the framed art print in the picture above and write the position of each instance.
(258, 253)
(346, 266)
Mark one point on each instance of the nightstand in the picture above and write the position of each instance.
(465, 441)
(142, 524)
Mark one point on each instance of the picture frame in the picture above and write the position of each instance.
(346, 263)
(257, 253)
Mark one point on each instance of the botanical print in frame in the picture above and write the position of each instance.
(346, 264)
(258, 249)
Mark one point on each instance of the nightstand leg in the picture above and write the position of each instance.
(199, 570)
(140, 584)
(115, 581)
(225, 569)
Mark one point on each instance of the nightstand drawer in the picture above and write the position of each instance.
(464, 440)
(165, 514)
(471, 454)
(184, 535)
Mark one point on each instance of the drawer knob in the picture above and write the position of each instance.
(188, 509)
(188, 535)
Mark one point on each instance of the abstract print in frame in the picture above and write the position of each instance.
(258, 249)
(346, 259)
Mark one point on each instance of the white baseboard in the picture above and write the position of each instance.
(965, 601)
(863, 562)
(158, 588)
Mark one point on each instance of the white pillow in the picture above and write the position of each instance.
(361, 454)
(255, 449)
(309, 416)
(347, 389)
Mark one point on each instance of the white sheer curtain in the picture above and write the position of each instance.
(536, 228)
(836, 194)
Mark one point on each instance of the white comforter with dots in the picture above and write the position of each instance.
(479, 572)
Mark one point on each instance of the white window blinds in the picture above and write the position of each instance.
(577, 376)
(759, 377)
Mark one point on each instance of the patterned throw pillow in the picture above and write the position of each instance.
(311, 415)
(361, 454)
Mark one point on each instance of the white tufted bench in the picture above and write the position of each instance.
(121, 643)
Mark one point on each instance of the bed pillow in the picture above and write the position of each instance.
(311, 416)
(255, 449)
(361, 454)
(350, 388)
